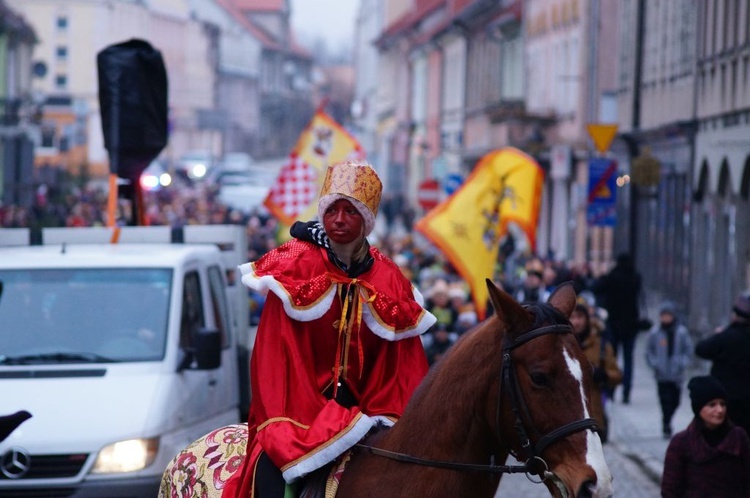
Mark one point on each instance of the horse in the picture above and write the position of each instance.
(516, 384)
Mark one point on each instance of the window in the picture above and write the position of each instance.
(125, 319)
(62, 23)
(219, 304)
(61, 81)
(511, 66)
(61, 53)
(48, 135)
(192, 309)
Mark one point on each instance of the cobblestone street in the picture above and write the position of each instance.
(629, 479)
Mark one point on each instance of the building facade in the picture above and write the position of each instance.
(720, 214)
(238, 75)
(18, 108)
(70, 36)
(656, 106)
(286, 76)
(674, 79)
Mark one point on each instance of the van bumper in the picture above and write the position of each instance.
(141, 487)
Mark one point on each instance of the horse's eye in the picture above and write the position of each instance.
(539, 379)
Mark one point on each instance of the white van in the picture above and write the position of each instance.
(123, 353)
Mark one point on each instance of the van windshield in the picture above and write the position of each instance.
(83, 315)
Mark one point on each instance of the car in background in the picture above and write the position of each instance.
(245, 190)
(236, 162)
(246, 198)
(196, 164)
(244, 183)
(155, 177)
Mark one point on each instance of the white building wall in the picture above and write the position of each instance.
(453, 98)
(557, 75)
(366, 60)
(668, 63)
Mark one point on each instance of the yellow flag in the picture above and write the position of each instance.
(505, 186)
(321, 143)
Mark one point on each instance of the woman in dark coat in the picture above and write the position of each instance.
(711, 458)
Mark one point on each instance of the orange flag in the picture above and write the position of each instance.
(322, 142)
(505, 186)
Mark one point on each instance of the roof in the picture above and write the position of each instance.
(412, 17)
(12, 22)
(454, 12)
(238, 8)
(104, 255)
(297, 48)
(260, 34)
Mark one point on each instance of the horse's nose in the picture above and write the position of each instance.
(587, 489)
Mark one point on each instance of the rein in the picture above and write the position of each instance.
(470, 467)
(534, 464)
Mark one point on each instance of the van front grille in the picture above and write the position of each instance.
(37, 493)
(52, 467)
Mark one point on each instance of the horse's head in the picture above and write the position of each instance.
(543, 408)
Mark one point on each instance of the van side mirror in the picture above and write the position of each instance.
(205, 353)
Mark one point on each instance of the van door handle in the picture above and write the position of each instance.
(212, 382)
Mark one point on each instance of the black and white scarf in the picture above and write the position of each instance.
(313, 231)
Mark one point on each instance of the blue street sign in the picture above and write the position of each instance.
(451, 182)
(602, 192)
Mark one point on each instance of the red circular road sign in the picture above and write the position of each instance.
(428, 194)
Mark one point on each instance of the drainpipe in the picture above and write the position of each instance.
(636, 122)
(593, 63)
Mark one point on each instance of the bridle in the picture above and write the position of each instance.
(531, 455)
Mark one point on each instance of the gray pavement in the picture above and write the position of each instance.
(635, 452)
(630, 480)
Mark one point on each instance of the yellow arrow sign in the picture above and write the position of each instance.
(603, 192)
(602, 135)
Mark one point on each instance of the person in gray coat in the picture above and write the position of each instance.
(669, 350)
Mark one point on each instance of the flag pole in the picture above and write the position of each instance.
(322, 105)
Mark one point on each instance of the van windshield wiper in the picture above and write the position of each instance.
(55, 358)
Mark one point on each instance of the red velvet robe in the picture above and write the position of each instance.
(301, 342)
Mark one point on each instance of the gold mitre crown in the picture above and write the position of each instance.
(354, 179)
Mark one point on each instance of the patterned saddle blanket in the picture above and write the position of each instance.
(202, 469)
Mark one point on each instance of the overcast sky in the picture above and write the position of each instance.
(332, 20)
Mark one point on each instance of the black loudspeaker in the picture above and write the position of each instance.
(133, 101)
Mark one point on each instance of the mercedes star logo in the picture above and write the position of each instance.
(15, 463)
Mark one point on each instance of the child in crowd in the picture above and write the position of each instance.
(669, 350)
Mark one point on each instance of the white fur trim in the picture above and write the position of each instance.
(418, 297)
(329, 453)
(427, 321)
(267, 282)
(382, 419)
(369, 218)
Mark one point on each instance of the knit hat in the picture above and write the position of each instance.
(742, 305)
(704, 389)
(356, 182)
(668, 307)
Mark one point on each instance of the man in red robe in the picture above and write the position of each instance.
(337, 348)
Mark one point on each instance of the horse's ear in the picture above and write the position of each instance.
(506, 308)
(563, 298)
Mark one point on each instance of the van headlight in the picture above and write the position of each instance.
(126, 456)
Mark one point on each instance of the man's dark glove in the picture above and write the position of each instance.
(600, 376)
